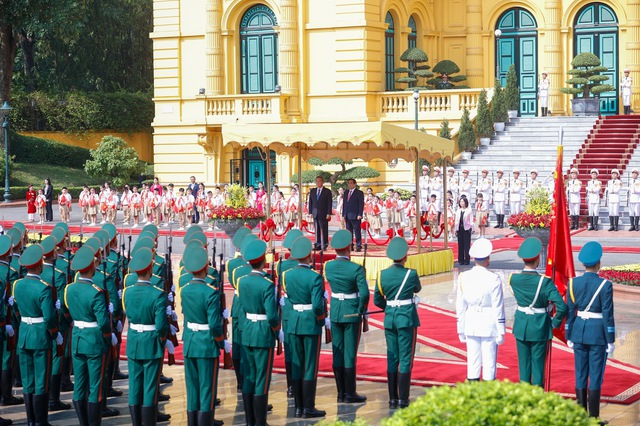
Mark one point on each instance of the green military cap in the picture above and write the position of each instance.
(141, 260)
(83, 259)
(49, 245)
(292, 235)
(195, 259)
(239, 236)
(94, 244)
(397, 249)
(341, 239)
(245, 243)
(148, 234)
(530, 249)
(191, 245)
(301, 248)
(20, 227)
(103, 236)
(15, 235)
(5, 244)
(62, 226)
(590, 254)
(59, 234)
(198, 236)
(32, 256)
(151, 227)
(255, 251)
(191, 231)
(111, 229)
(145, 241)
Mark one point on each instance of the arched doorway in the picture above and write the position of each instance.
(259, 50)
(389, 52)
(518, 45)
(596, 31)
(252, 168)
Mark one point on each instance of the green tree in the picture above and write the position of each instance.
(512, 93)
(114, 160)
(483, 121)
(414, 58)
(587, 78)
(445, 130)
(339, 177)
(467, 134)
(445, 79)
(499, 112)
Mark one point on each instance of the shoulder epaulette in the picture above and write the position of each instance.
(98, 288)
(60, 271)
(45, 283)
(212, 287)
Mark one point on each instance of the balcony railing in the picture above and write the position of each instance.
(266, 108)
(432, 104)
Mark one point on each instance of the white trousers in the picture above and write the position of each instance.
(514, 207)
(594, 209)
(614, 209)
(574, 209)
(481, 353)
(498, 207)
(634, 209)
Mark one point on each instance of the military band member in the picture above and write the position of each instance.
(349, 301)
(480, 311)
(452, 183)
(425, 186)
(532, 324)
(612, 193)
(500, 188)
(625, 89)
(543, 94)
(6, 329)
(515, 193)
(484, 188)
(590, 327)
(465, 185)
(304, 288)
(573, 195)
(594, 187)
(634, 201)
(395, 292)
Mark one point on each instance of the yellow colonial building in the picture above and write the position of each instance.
(224, 64)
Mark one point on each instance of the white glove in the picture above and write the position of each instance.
(225, 313)
(327, 323)
(119, 294)
(173, 288)
(462, 337)
(170, 297)
(610, 348)
(174, 316)
(114, 339)
(281, 302)
(10, 301)
(169, 311)
(281, 336)
(416, 300)
(173, 329)
(58, 304)
(9, 329)
(326, 295)
(499, 339)
(570, 344)
(110, 307)
(227, 346)
(59, 339)
(170, 348)
(366, 316)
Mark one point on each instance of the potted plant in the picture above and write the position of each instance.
(445, 80)
(512, 92)
(235, 212)
(466, 136)
(413, 57)
(499, 112)
(587, 79)
(483, 120)
(535, 221)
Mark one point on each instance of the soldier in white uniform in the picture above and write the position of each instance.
(436, 189)
(500, 188)
(625, 89)
(425, 183)
(543, 94)
(480, 312)
(533, 181)
(484, 187)
(614, 186)
(634, 201)
(515, 193)
(594, 187)
(465, 185)
(573, 195)
(452, 184)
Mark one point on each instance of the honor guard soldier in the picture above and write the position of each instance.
(146, 308)
(452, 183)
(39, 329)
(349, 301)
(590, 328)
(465, 185)
(515, 193)
(594, 187)
(425, 186)
(625, 89)
(532, 324)
(480, 311)
(259, 332)
(6, 329)
(395, 292)
(304, 288)
(533, 180)
(500, 188)
(484, 187)
(573, 196)
(634, 201)
(202, 338)
(543, 94)
(612, 193)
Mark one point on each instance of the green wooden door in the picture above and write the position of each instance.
(259, 51)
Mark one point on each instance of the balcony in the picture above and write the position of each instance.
(258, 108)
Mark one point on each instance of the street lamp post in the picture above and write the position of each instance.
(416, 97)
(5, 110)
(498, 33)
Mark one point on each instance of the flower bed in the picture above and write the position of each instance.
(537, 212)
(622, 274)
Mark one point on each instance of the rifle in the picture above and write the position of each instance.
(40, 234)
(54, 291)
(118, 282)
(11, 341)
(328, 337)
(81, 236)
(228, 362)
(365, 320)
(278, 292)
(168, 283)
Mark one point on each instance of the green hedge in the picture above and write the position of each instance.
(29, 149)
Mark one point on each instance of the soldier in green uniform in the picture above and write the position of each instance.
(202, 338)
(532, 324)
(349, 301)
(395, 293)
(146, 309)
(256, 295)
(6, 329)
(39, 329)
(304, 289)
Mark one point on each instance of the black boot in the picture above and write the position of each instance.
(298, 398)
(581, 397)
(54, 395)
(41, 409)
(595, 222)
(351, 397)
(338, 373)
(404, 388)
(136, 415)
(611, 224)
(239, 378)
(149, 415)
(392, 383)
(617, 221)
(247, 399)
(7, 386)
(81, 412)
(205, 418)
(632, 219)
(594, 403)
(497, 222)
(162, 417)
(94, 413)
(309, 396)
(287, 369)
(30, 409)
(637, 223)
(65, 375)
(260, 409)
(591, 220)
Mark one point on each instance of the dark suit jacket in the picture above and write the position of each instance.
(47, 191)
(322, 207)
(354, 207)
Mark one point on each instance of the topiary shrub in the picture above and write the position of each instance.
(467, 134)
(445, 130)
(446, 79)
(414, 57)
(512, 92)
(587, 78)
(499, 112)
(483, 120)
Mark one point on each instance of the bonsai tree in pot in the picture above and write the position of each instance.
(587, 79)
(445, 80)
(512, 92)
(499, 112)
(415, 59)
(483, 120)
(466, 136)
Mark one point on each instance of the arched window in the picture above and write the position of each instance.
(259, 50)
(389, 52)
(413, 35)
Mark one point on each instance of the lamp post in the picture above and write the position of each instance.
(416, 97)
(498, 33)
(6, 109)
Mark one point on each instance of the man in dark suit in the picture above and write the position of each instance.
(320, 206)
(193, 186)
(352, 211)
(47, 190)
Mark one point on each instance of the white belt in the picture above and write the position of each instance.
(396, 303)
(32, 320)
(85, 324)
(193, 326)
(480, 309)
(590, 315)
(236, 292)
(301, 308)
(343, 296)
(142, 327)
(256, 317)
(530, 311)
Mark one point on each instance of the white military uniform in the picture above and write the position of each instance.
(543, 94)
(593, 196)
(425, 184)
(500, 188)
(436, 189)
(485, 189)
(613, 196)
(634, 197)
(452, 185)
(573, 194)
(515, 196)
(480, 312)
(465, 188)
(625, 87)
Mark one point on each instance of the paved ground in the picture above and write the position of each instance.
(437, 290)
